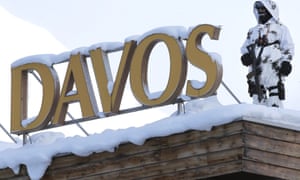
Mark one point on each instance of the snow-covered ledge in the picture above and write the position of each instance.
(201, 114)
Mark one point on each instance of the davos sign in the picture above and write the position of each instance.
(134, 61)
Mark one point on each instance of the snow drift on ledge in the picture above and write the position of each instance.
(201, 114)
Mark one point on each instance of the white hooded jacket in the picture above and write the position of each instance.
(274, 31)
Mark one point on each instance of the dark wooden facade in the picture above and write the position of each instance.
(241, 150)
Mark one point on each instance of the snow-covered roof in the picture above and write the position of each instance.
(201, 114)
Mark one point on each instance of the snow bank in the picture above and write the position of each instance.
(200, 115)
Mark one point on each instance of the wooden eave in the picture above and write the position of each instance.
(242, 147)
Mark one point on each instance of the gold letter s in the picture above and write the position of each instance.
(201, 59)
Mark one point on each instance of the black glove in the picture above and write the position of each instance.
(285, 68)
(246, 59)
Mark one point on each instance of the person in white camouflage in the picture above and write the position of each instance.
(267, 51)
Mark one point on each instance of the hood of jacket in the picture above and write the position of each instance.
(271, 6)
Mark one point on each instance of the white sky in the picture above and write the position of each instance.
(39, 27)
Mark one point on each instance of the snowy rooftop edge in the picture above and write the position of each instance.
(201, 115)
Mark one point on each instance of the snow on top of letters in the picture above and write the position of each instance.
(178, 32)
